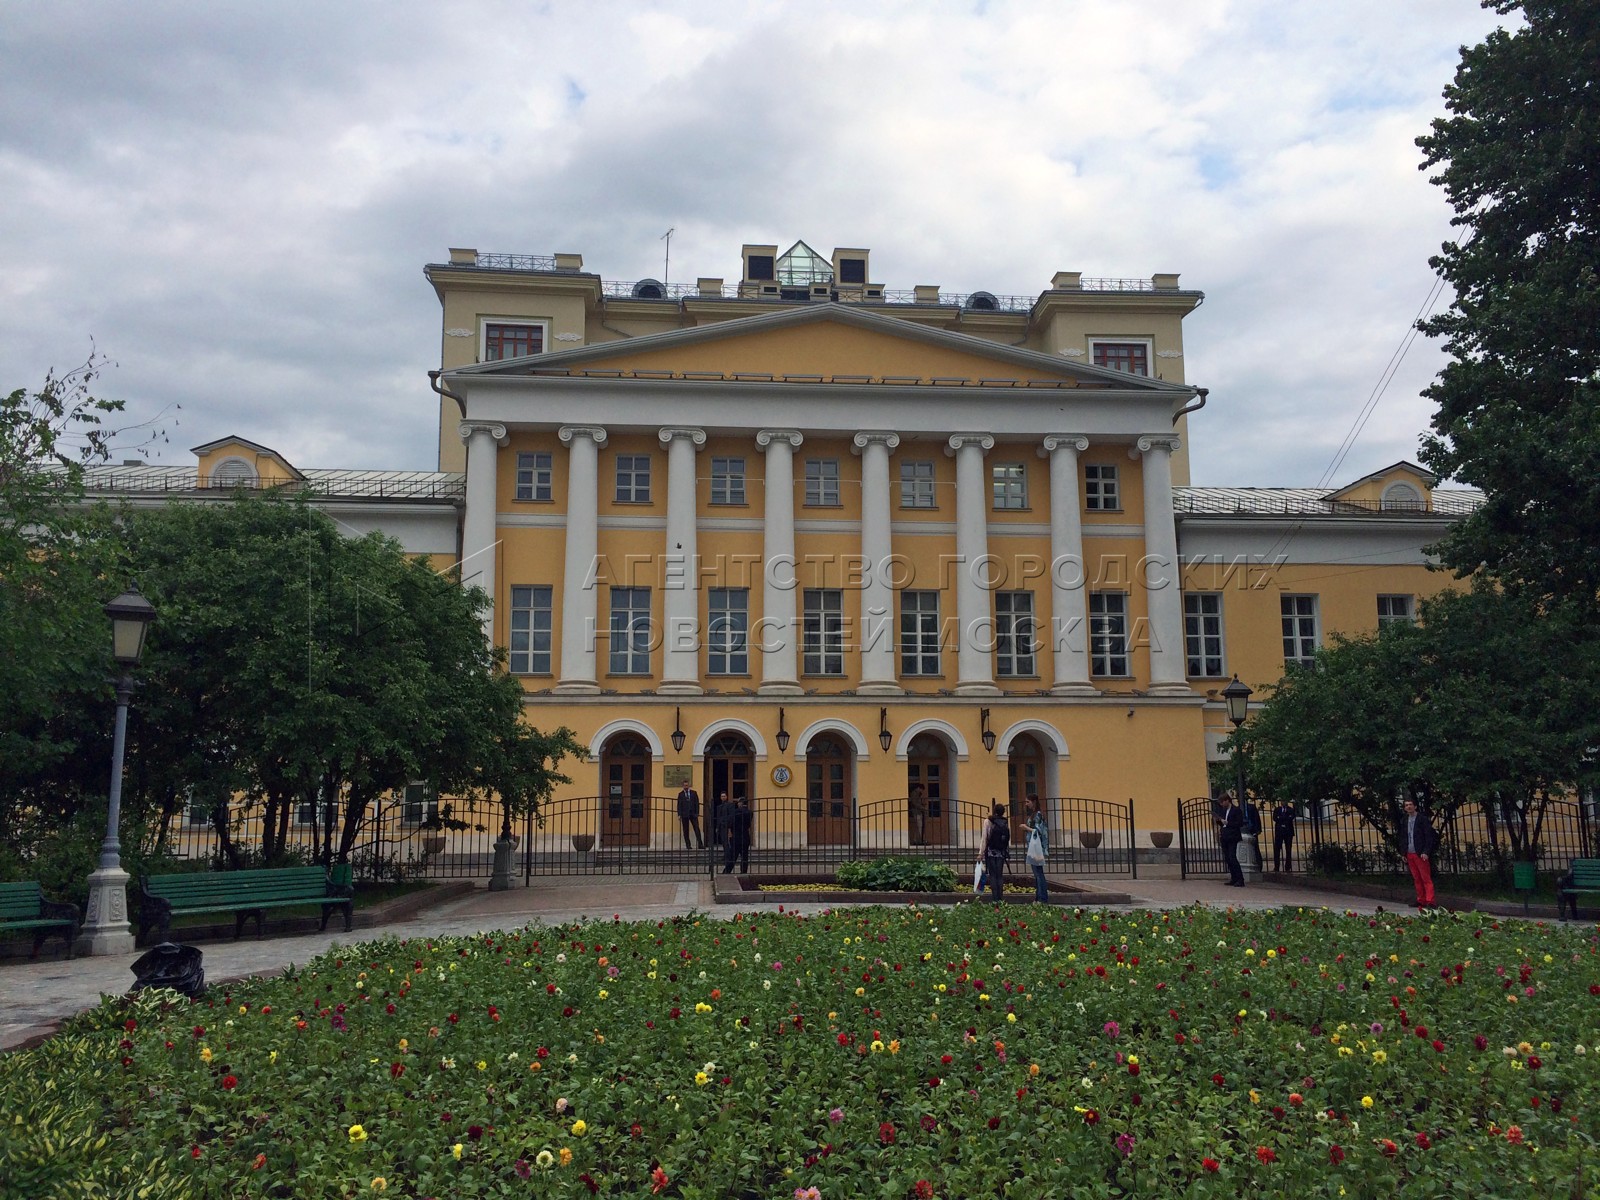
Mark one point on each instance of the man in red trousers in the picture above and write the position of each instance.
(1420, 841)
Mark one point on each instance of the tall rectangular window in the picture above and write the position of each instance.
(728, 632)
(919, 633)
(512, 341)
(823, 646)
(530, 630)
(1396, 610)
(630, 631)
(1014, 629)
(1108, 633)
(1132, 357)
(418, 803)
(1202, 634)
(534, 474)
(822, 482)
(727, 481)
(1100, 492)
(916, 485)
(1300, 630)
(1010, 485)
(633, 479)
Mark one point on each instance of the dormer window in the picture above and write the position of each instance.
(1402, 497)
(233, 473)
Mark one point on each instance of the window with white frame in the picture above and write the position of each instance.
(1132, 357)
(195, 810)
(305, 813)
(1202, 634)
(1010, 485)
(728, 631)
(530, 629)
(1108, 633)
(1396, 610)
(633, 479)
(506, 340)
(535, 472)
(919, 633)
(233, 473)
(727, 481)
(1014, 634)
(1300, 635)
(823, 646)
(822, 482)
(1100, 488)
(916, 484)
(630, 631)
(418, 804)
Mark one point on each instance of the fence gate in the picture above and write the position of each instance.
(1198, 851)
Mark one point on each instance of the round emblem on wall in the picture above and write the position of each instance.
(781, 775)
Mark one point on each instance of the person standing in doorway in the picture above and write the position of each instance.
(689, 816)
(1420, 841)
(1230, 830)
(722, 820)
(741, 833)
(1283, 819)
(917, 808)
(995, 851)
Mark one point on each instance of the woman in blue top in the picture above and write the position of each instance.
(1038, 827)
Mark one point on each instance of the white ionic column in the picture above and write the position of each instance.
(579, 591)
(680, 653)
(778, 629)
(974, 663)
(1069, 611)
(1161, 574)
(876, 628)
(483, 439)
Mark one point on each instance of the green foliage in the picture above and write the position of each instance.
(1519, 404)
(896, 875)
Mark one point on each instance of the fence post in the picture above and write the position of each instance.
(1183, 843)
(1133, 850)
(527, 848)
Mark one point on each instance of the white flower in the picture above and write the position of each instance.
(561, 958)
(1579, 1049)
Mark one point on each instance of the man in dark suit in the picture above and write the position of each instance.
(1230, 830)
(1283, 827)
(722, 820)
(1419, 841)
(741, 832)
(689, 815)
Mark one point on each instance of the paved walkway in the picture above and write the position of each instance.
(35, 996)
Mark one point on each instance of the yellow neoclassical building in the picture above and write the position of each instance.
(843, 542)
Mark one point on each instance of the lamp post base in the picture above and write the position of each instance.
(500, 879)
(105, 925)
(1250, 857)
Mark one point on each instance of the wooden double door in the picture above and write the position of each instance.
(928, 768)
(625, 767)
(830, 800)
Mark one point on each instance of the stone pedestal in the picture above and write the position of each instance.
(105, 925)
(1250, 857)
(500, 880)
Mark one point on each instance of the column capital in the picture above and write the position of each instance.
(493, 428)
(594, 432)
(1156, 441)
(765, 437)
(868, 437)
(983, 441)
(673, 432)
(1063, 441)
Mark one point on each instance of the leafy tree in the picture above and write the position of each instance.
(1519, 404)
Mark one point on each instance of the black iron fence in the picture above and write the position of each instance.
(612, 835)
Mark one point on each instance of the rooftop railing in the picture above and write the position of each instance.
(1201, 502)
(354, 485)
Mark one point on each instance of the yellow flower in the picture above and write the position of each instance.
(861, 991)
(579, 1128)
(357, 1134)
(604, 994)
(1380, 1057)
(273, 1057)
(702, 1007)
(379, 1184)
(701, 1079)
(1272, 954)
(1134, 1059)
(1255, 1096)
(205, 1054)
(877, 1046)
(482, 1066)
(543, 1160)
(455, 1151)
(1012, 1018)
(566, 1157)
(404, 1044)
(1366, 1102)
(244, 1008)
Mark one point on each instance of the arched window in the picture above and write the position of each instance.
(233, 473)
(1402, 497)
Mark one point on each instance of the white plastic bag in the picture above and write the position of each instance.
(1036, 854)
(980, 877)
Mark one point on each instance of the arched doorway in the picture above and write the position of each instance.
(928, 768)
(625, 762)
(730, 764)
(829, 787)
(1025, 774)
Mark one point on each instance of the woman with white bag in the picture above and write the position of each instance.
(1038, 848)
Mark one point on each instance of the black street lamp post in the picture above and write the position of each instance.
(105, 926)
(1237, 695)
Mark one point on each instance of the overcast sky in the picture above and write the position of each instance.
(236, 201)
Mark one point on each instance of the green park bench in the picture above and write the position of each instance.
(23, 906)
(244, 893)
(1582, 878)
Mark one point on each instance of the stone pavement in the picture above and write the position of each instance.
(36, 996)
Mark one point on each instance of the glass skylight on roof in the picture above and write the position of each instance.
(801, 266)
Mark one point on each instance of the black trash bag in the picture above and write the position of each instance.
(170, 965)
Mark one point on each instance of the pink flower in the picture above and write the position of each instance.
(1112, 1030)
(836, 1115)
(1125, 1143)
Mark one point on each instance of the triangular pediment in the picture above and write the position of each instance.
(1403, 471)
(824, 342)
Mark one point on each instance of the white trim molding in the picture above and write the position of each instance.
(951, 734)
(625, 725)
(725, 725)
(1046, 732)
(831, 725)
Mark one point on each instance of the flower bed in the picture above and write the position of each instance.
(1019, 1051)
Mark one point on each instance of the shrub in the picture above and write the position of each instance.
(897, 875)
